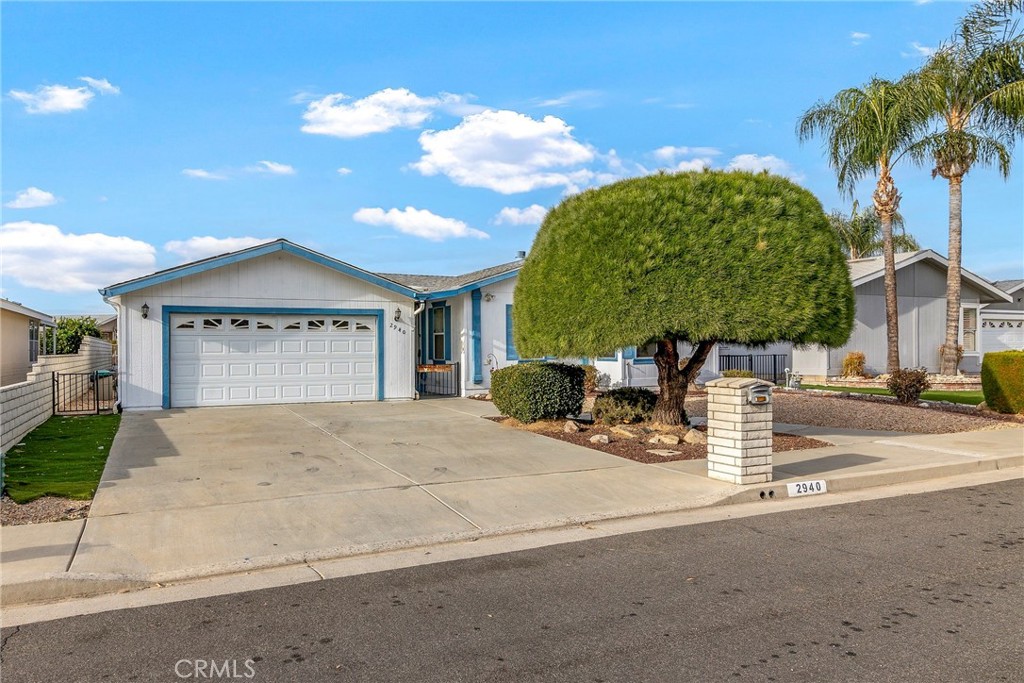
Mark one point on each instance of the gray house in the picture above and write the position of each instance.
(1002, 323)
(921, 292)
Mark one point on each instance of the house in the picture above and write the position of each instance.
(921, 300)
(20, 332)
(1002, 323)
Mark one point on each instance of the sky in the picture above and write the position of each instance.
(421, 138)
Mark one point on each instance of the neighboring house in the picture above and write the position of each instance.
(20, 331)
(921, 293)
(1002, 324)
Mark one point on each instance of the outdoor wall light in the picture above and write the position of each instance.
(145, 310)
(398, 314)
(488, 297)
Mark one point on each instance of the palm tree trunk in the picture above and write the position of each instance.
(887, 201)
(673, 382)
(949, 347)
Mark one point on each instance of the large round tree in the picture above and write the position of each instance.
(701, 257)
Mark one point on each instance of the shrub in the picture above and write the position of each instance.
(625, 405)
(538, 391)
(70, 332)
(959, 354)
(737, 373)
(591, 379)
(908, 383)
(853, 364)
(1002, 381)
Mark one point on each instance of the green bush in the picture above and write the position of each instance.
(590, 379)
(70, 332)
(908, 383)
(1002, 381)
(737, 373)
(538, 391)
(625, 405)
(853, 364)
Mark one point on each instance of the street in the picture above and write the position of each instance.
(925, 587)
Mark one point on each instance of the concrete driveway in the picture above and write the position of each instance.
(198, 491)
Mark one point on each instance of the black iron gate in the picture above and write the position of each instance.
(769, 366)
(438, 380)
(83, 393)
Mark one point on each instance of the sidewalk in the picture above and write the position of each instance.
(46, 562)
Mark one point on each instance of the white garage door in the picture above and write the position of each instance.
(240, 359)
(1002, 334)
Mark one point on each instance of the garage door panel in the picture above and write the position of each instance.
(225, 360)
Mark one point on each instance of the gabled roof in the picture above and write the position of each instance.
(413, 286)
(1009, 286)
(449, 285)
(14, 307)
(868, 269)
(284, 245)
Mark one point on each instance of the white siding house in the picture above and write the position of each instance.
(1002, 324)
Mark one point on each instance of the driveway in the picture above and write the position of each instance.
(198, 491)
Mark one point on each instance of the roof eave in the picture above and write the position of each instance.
(444, 294)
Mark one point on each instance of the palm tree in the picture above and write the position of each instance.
(861, 233)
(974, 88)
(868, 130)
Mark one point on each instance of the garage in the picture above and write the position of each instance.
(246, 359)
(1002, 333)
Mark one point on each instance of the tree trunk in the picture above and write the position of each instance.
(673, 382)
(949, 347)
(887, 202)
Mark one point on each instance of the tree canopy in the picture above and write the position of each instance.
(697, 257)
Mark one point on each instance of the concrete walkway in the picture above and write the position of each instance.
(204, 492)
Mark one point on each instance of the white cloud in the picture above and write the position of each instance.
(272, 168)
(344, 171)
(858, 37)
(696, 164)
(43, 256)
(920, 50)
(101, 85)
(589, 98)
(53, 99)
(377, 113)
(531, 215)
(195, 248)
(755, 164)
(418, 222)
(670, 154)
(31, 198)
(203, 174)
(507, 152)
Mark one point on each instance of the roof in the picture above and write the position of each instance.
(868, 269)
(412, 286)
(1009, 286)
(440, 283)
(15, 307)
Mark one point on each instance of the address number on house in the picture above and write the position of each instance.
(806, 488)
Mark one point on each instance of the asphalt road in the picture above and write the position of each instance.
(917, 588)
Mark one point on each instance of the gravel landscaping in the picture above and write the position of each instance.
(46, 509)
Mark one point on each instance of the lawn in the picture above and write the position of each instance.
(64, 457)
(971, 398)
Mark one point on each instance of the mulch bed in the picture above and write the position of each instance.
(636, 449)
(45, 509)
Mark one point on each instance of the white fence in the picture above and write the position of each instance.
(26, 405)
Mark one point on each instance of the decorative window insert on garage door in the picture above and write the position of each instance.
(253, 356)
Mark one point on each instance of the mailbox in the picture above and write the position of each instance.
(759, 395)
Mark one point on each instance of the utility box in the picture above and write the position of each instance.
(740, 430)
(759, 394)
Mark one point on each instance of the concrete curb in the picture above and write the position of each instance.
(55, 587)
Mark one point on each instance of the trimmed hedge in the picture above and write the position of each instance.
(1002, 381)
(625, 406)
(538, 391)
(737, 373)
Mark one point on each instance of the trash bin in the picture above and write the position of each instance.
(105, 385)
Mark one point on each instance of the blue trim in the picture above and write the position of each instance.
(510, 346)
(629, 353)
(167, 311)
(430, 296)
(474, 332)
(447, 334)
(643, 361)
(609, 358)
(584, 361)
(255, 252)
(447, 343)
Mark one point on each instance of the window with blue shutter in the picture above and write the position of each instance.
(510, 347)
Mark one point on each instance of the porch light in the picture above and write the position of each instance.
(145, 310)
(488, 297)
(398, 314)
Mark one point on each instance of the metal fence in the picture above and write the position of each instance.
(769, 366)
(83, 393)
(438, 380)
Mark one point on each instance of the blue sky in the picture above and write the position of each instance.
(418, 137)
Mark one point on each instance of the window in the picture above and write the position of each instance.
(438, 334)
(362, 327)
(510, 347)
(970, 329)
(186, 325)
(315, 324)
(645, 354)
(212, 323)
(264, 325)
(239, 323)
(297, 325)
(33, 341)
(340, 325)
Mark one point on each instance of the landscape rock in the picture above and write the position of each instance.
(667, 439)
(570, 427)
(623, 432)
(600, 438)
(695, 436)
(663, 452)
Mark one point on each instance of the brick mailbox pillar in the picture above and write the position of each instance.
(740, 430)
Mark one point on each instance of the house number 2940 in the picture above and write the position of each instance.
(396, 327)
